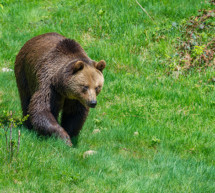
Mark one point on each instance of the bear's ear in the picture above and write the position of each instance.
(79, 65)
(100, 65)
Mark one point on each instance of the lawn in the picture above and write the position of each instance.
(156, 124)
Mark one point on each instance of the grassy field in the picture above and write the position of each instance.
(157, 125)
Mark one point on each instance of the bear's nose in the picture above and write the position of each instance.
(92, 104)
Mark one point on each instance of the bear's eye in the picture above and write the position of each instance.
(98, 88)
(85, 88)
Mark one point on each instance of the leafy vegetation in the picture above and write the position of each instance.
(155, 119)
(198, 47)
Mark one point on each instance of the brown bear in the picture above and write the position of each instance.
(54, 73)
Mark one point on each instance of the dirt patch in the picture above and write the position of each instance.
(87, 37)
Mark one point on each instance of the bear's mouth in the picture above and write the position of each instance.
(89, 104)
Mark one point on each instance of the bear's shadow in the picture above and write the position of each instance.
(74, 141)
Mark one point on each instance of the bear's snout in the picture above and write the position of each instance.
(92, 104)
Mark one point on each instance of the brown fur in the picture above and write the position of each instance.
(53, 74)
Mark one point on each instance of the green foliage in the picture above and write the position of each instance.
(155, 122)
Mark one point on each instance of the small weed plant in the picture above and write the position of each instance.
(8, 124)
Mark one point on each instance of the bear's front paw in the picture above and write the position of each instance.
(63, 135)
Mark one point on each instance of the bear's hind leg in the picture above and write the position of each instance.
(73, 117)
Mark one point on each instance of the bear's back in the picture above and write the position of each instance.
(49, 46)
(37, 48)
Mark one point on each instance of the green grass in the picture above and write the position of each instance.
(174, 116)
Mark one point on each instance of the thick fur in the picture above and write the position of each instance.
(50, 71)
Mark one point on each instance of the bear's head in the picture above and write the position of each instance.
(83, 82)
